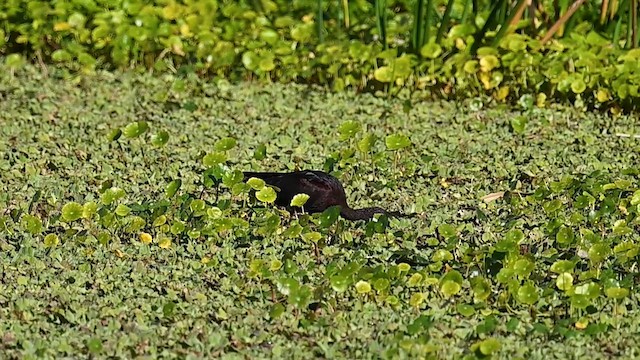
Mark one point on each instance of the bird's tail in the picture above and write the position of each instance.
(401, 215)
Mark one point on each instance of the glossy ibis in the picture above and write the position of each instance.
(323, 189)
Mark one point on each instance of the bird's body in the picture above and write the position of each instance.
(323, 189)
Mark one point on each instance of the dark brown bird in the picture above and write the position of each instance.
(323, 189)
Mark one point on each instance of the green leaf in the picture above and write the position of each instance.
(404, 267)
(552, 206)
(564, 281)
(506, 245)
(250, 60)
(415, 280)
(214, 212)
(160, 220)
(112, 195)
(14, 61)
(578, 86)
(447, 231)
(489, 62)
(89, 209)
(431, 50)
(339, 283)
(481, 288)
(312, 236)
(523, 267)
(32, 224)
(617, 293)
(527, 294)
(267, 64)
(114, 135)
(231, 178)
(367, 142)
(122, 210)
(329, 216)
(135, 129)
(172, 188)
(599, 252)
(266, 195)
(72, 211)
(397, 142)
(489, 346)
(519, 124)
(349, 129)
(579, 301)
(363, 287)
(465, 310)
(300, 296)
(256, 183)
(514, 235)
(562, 266)
(565, 235)
(381, 284)
(225, 144)
(197, 205)
(620, 228)
(178, 227)
(51, 240)
(260, 152)
(60, 55)
(471, 66)
(269, 36)
(214, 158)
(160, 138)
(450, 288)
(299, 200)
(442, 254)
(417, 299)
(94, 345)
(383, 74)
(277, 310)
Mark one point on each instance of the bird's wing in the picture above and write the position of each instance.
(315, 182)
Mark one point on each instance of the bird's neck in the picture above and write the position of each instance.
(359, 214)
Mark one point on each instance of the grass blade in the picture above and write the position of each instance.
(512, 20)
(381, 19)
(320, 22)
(345, 14)
(428, 21)
(445, 20)
(634, 23)
(604, 8)
(477, 39)
(563, 20)
(418, 30)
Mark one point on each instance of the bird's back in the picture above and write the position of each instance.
(323, 189)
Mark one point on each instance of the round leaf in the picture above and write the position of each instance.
(397, 142)
(564, 281)
(135, 129)
(299, 200)
(72, 211)
(383, 74)
(431, 50)
(363, 287)
(160, 138)
(266, 195)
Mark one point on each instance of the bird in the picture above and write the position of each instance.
(323, 189)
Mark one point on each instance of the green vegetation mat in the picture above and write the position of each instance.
(545, 270)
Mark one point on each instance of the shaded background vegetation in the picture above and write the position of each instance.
(568, 51)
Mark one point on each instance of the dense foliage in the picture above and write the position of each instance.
(136, 235)
(381, 45)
